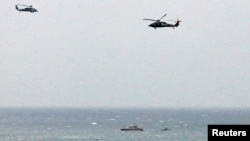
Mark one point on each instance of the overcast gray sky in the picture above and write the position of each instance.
(100, 53)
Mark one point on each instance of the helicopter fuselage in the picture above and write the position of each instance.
(32, 10)
(28, 9)
(158, 24)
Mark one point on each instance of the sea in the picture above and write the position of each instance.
(104, 124)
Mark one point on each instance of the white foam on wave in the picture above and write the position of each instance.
(70, 137)
(94, 123)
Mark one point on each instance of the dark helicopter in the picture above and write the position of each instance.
(26, 8)
(159, 23)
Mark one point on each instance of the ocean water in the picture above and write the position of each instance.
(60, 124)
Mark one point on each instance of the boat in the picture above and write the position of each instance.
(132, 128)
(165, 129)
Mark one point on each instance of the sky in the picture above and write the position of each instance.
(101, 53)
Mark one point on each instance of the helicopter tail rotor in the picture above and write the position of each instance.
(177, 22)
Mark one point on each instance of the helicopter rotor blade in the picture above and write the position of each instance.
(170, 20)
(174, 20)
(162, 17)
(150, 19)
(24, 5)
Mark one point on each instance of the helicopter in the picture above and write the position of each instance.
(26, 8)
(158, 23)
